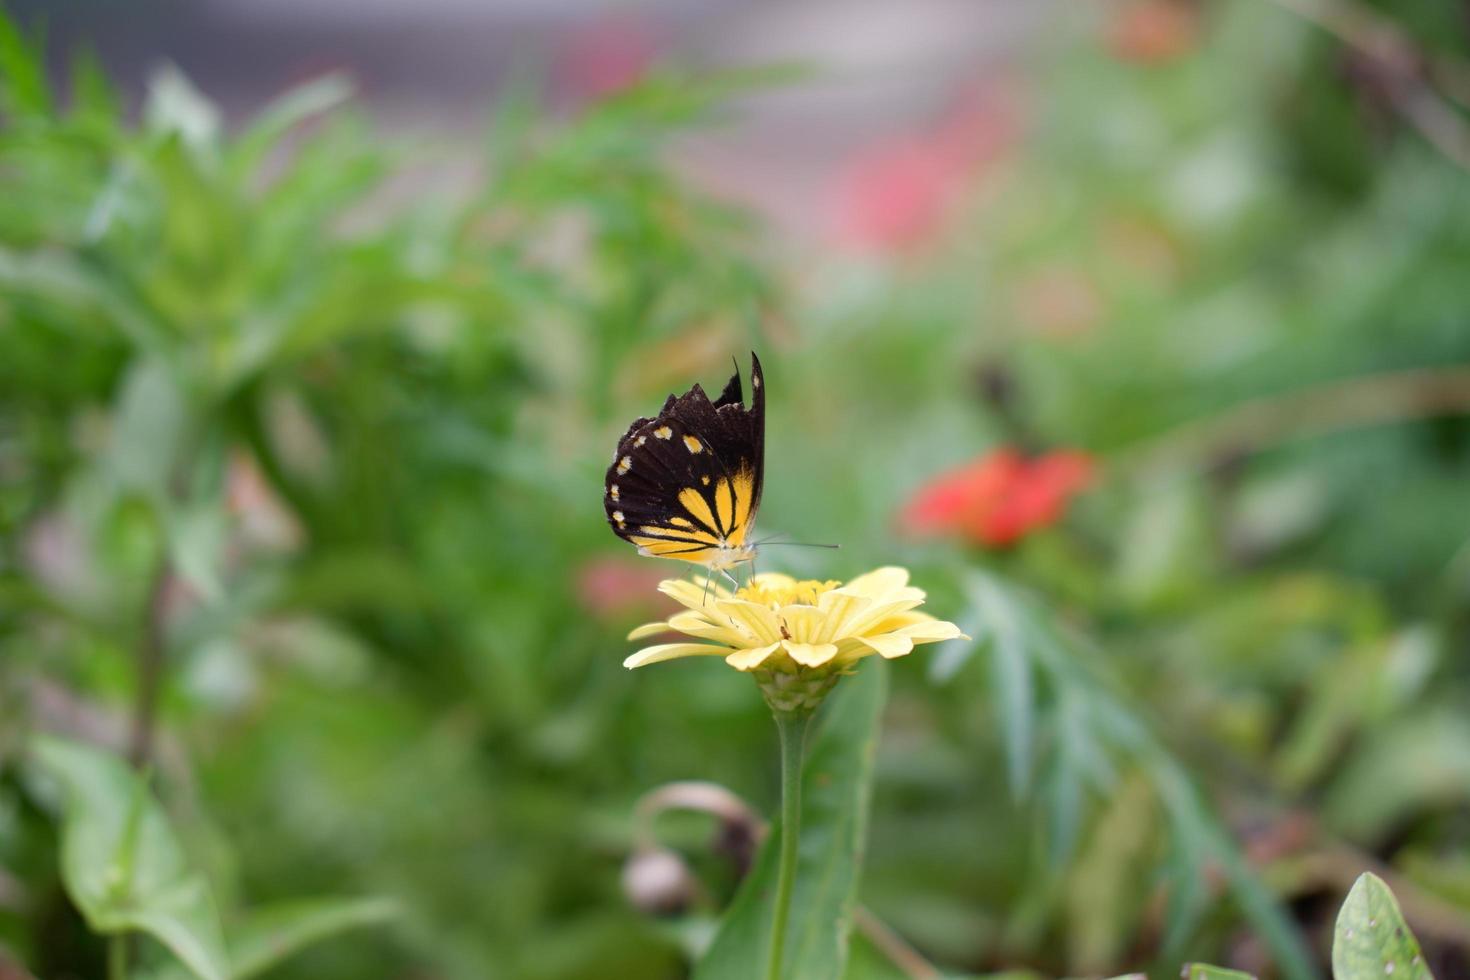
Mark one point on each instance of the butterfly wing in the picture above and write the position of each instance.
(686, 484)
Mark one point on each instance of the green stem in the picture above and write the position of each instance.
(792, 728)
(117, 956)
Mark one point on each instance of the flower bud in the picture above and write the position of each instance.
(657, 881)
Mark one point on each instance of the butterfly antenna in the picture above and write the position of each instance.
(804, 544)
(704, 598)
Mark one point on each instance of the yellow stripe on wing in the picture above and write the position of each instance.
(698, 508)
(676, 534)
(665, 548)
(725, 506)
(742, 488)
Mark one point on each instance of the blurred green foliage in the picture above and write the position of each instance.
(320, 430)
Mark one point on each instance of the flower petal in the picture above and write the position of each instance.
(671, 651)
(932, 631)
(889, 645)
(751, 658)
(801, 623)
(875, 583)
(650, 629)
(756, 620)
(693, 595)
(810, 654)
(884, 615)
(698, 625)
(840, 608)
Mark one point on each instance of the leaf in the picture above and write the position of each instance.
(176, 107)
(23, 87)
(92, 95)
(318, 96)
(270, 935)
(121, 863)
(1371, 940)
(1012, 687)
(1204, 971)
(197, 537)
(267, 937)
(1419, 761)
(148, 428)
(836, 784)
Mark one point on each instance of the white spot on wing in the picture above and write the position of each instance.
(625, 464)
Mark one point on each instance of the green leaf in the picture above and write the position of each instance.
(836, 784)
(1418, 761)
(270, 935)
(121, 863)
(23, 87)
(1371, 940)
(1012, 688)
(318, 96)
(92, 95)
(1204, 971)
(150, 416)
(176, 107)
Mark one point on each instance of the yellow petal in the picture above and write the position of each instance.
(692, 595)
(877, 582)
(749, 659)
(840, 608)
(810, 654)
(698, 625)
(803, 623)
(932, 631)
(877, 617)
(650, 629)
(748, 617)
(890, 645)
(671, 651)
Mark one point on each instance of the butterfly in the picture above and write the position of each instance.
(686, 483)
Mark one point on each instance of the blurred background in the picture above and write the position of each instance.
(1139, 330)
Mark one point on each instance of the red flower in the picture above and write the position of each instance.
(1000, 497)
(1154, 32)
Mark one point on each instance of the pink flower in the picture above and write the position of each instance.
(615, 588)
(897, 194)
(605, 57)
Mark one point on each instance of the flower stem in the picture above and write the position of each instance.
(117, 956)
(792, 727)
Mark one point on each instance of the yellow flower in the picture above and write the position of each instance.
(777, 624)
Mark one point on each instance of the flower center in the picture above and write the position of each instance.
(776, 595)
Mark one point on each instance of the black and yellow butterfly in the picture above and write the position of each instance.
(686, 484)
